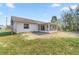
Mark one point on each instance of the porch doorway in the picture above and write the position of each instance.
(42, 27)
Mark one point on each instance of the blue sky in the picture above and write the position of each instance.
(41, 11)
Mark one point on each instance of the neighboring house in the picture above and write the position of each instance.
(1, 26)
(19, 25)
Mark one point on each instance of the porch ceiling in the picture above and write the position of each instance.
(47, 24)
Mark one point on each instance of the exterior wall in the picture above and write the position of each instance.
(19, 27)
(14, 27)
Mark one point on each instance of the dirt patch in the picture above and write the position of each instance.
(30, 36)
(66, 34)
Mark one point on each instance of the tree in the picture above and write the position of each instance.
(54, 19)
(77, 17)
(71, 19)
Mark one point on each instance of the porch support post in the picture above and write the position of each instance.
(48, 27)
(39, 27)
(45, 27)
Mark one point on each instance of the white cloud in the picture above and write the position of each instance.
(10, 5)
(67, 8)
(73, 6)
(64, 8)
(55, 5)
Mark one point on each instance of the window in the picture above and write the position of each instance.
(26, 26)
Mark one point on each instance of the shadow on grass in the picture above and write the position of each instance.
(5, 34)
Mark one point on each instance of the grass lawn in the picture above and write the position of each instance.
(17, 45)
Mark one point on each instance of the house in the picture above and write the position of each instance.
(19, 25)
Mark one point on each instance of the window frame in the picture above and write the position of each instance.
(26, 26)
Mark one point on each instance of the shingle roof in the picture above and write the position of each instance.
(19, 19)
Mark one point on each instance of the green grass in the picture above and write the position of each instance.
(17, 45)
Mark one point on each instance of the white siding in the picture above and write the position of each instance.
(19, 27)
(14, 27)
